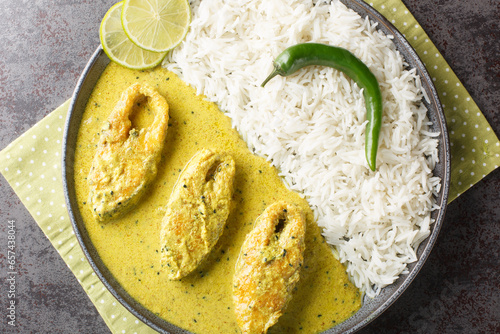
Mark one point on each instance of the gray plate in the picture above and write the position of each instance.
(371, 307)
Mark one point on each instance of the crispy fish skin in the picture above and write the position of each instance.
(197, 212)
(268, 267)
(126, 159)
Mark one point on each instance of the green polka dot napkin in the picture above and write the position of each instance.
(32, 165)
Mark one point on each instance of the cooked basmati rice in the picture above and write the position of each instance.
(311, 125)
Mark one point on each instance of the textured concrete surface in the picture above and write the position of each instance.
(44, 45)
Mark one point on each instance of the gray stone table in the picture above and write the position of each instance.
(44, 45)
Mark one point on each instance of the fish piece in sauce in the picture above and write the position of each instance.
(197, 212)
(126, 159)
(268, 267)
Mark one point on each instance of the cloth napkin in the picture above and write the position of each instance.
(32, 165)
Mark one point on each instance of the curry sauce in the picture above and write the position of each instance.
(129, 246)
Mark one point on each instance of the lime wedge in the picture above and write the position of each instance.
(119, 48)
(156, 25)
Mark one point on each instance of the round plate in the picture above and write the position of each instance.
(371, 307)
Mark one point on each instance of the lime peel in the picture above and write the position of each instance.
(118, 46)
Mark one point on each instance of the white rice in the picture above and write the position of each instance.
(311, 125)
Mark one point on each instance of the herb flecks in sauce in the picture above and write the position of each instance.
(256, 185)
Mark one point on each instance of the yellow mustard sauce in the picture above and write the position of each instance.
(129, 246)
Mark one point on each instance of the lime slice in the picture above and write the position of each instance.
(119, 48)
(156, 25)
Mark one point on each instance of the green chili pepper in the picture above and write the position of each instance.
(306, 54)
